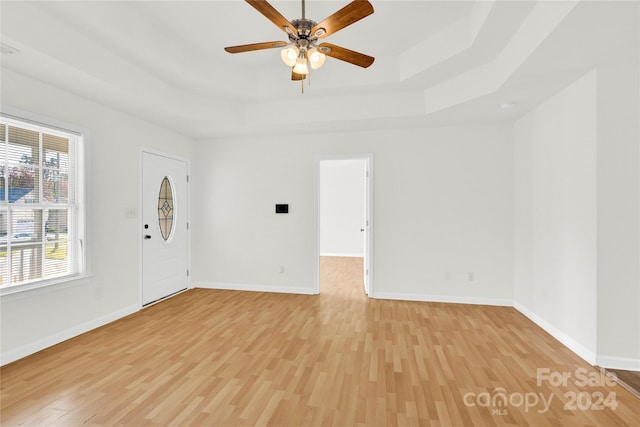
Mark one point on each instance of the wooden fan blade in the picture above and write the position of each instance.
(343, 54)
(273, 15)
(353, 12)
(296, 76)
(255, 46)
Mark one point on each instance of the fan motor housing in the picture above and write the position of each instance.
(304, 27)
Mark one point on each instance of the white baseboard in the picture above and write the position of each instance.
(588, 355)
(623, 363)
(57, 338)
(255, 288)
(343, 255)
(443, 298)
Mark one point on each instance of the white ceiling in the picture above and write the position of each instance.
(437, 62)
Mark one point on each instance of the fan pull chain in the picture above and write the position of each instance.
(308, 75)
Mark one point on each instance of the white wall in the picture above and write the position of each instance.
(342, 207)
(442, 212)
(555, 215)
(36, 319)
(577, 205)
(618, 212)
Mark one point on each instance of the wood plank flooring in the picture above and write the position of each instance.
(228, 358)
(628, 379)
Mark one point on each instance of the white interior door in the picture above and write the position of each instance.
(164, 227)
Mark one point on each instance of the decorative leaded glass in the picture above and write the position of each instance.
(165, 208)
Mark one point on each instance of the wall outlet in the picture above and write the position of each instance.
(447, 275)
(472, 276)
(281, 269)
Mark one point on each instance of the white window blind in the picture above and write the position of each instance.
(39, 212)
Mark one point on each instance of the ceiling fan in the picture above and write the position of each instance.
(303, 53)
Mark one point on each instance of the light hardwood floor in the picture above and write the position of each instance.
(224, 358)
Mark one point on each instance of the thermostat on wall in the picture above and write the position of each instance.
(282, 208)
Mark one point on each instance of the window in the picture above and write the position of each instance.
(40, 213)
(165, 208)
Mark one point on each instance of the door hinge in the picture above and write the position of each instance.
(367, 271)
(187, 273)
(187, 178)
(187, 225)
(367, 174)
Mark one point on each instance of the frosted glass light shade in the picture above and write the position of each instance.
(289, 55)
(301, 66)
(316, 59)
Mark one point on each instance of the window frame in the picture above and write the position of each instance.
(82, 266)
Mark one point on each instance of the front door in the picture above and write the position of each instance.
(164, 226)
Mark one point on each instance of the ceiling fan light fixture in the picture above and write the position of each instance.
(301, 53)
(289, 55)
(316, 58)
(301, 67)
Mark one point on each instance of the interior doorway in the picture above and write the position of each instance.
(344, 223)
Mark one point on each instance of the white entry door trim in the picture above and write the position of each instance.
(148, 215)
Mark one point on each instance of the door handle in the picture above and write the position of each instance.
(147, 237)
(362, 229)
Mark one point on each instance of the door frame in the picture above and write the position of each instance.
(369, 242)
(140, 222)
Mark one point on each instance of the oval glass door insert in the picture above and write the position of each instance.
(165, 208)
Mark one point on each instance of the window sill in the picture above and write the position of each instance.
(11, 293)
